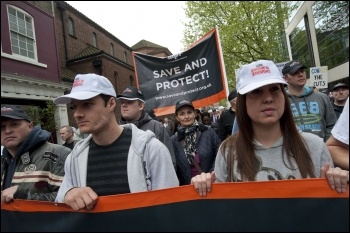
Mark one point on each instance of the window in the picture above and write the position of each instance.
(112, 50)
(332, 31)
(94, 39)
(299, 44)
(21, 32)
(70, 27)
(125, 56)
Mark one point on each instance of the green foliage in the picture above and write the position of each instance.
(248, 31)
(45, 117)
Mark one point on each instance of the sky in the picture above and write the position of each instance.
(158, 22)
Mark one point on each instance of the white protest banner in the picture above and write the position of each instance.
(319, 77)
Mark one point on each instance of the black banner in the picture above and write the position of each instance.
(196, 74)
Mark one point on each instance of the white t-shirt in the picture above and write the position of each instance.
(340, 130)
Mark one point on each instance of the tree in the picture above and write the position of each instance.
(45, 117)
(249, 31)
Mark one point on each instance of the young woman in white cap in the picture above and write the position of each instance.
(269, 146)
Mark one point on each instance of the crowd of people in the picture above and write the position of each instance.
(276, 128)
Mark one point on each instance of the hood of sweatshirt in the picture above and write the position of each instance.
(35, 138)
(144, 118)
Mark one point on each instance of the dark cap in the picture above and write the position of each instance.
(181, 103)
(14, 112)
(131, 93)
(232, 95)
(340, 85)
(292, 67)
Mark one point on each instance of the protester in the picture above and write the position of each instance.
(169, 125)
(227, 117)
(312, 111)
(195, 145)
(67, 135)
(132, 111)
(340, 94)
(31, 167)
(207, 122)
(113, 159)
(198, 115)
(215, 117)
(268, 145)
(338, 143)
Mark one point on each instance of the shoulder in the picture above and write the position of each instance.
(311, 138)
(55, 148)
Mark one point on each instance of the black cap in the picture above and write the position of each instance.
(181, 103)
(14, 112)
(232, 95)
(340, 85)
(131, 93)
(292, 67)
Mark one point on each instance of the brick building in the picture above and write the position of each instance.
(46, 43)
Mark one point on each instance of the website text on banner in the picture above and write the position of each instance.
(196, 74)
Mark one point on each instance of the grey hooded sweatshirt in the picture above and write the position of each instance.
(149, 164)
(313, 112)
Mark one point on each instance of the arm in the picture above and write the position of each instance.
(161, 167)
(52, 171)
(221, 127)
(339, 152)
(330, 117)
(202, 183)
(337, 178)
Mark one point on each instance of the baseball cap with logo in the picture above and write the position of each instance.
(182, 103)
(131, 93)
(14, 112)
(87, 86)
(257, 74)
(292, 67)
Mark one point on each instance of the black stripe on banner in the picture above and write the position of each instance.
(293, 215)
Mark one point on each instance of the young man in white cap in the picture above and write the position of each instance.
(312, 111)
(133, 111)
(113, 159)
(31, 167)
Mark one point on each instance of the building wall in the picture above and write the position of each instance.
(339, 73)
(46, 67)
(29, 82)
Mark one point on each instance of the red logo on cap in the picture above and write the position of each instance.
(260, 70)
(78, 82)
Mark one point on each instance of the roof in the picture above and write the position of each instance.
(146, 44)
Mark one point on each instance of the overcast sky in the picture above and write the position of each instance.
(159, 22)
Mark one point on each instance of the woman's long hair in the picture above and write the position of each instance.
(242, 148)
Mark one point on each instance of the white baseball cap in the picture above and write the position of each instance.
(87, 86)
(257, 74)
